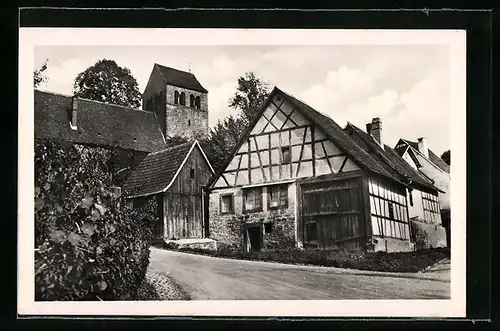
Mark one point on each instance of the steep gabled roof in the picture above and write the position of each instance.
(389, 157)
(330, 128)
(98, 124)
(180, 78)
(432, 156)
(158, 170)
(338, 135)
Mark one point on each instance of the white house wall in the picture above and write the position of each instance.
(441, 179)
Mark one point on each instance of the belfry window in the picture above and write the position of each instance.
(198, 102)
(176, 97)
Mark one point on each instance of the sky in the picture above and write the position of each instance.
(407, 86)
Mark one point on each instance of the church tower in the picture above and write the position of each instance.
(179, 102)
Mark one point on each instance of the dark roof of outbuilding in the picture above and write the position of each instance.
(158, 170)
(98, 124)
(180, 78)
(439, 162)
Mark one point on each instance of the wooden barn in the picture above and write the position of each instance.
(174, 177)
(297, 179)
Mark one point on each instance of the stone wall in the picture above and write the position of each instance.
(228, 229)
(171, 98)
(428, 235)
(391, 245)
(186, 121)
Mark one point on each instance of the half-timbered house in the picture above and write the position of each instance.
(175, 177)
(420, 157)
(422, 194)
(297, 179)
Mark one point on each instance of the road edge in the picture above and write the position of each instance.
(417, 275)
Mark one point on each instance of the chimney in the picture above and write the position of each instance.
(376, 131)
(422, 146)
(369, 128)
(74, 113)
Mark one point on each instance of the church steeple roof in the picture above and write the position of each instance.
(180, 78)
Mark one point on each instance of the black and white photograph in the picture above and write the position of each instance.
(242, 172)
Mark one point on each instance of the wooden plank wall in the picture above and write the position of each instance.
(337, 207)
(183, 201)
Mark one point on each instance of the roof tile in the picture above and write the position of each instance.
(180, 78)
(156, 171)
(99, 124)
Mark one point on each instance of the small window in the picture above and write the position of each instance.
(183, 99)
(285, 155)
(277, 197)
(191, 101)
(252, 199)
(391, 211)
(189, 122)
(198, 102)
(311, 232)
(226, 204)
(176, 97)
(268, 228)
(191, 173)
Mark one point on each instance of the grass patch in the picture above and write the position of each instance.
(373, 261)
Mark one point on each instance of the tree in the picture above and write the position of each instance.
(250, 94)
(222, 138)
(446, 157)
(38, 76)
(106, 81)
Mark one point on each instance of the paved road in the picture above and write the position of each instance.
(208, 278)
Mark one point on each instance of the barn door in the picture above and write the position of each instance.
(332, 214)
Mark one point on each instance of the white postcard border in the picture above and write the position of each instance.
(29, 38)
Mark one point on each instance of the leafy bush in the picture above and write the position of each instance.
(90, 244)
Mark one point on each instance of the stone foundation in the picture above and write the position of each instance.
(229, 229)
(391, 245)
(205, 244)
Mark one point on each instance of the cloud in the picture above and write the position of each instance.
(340, 88)
(61, 76)
(426, 112)
(407, 86)
(218, 99)
(223, 66)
